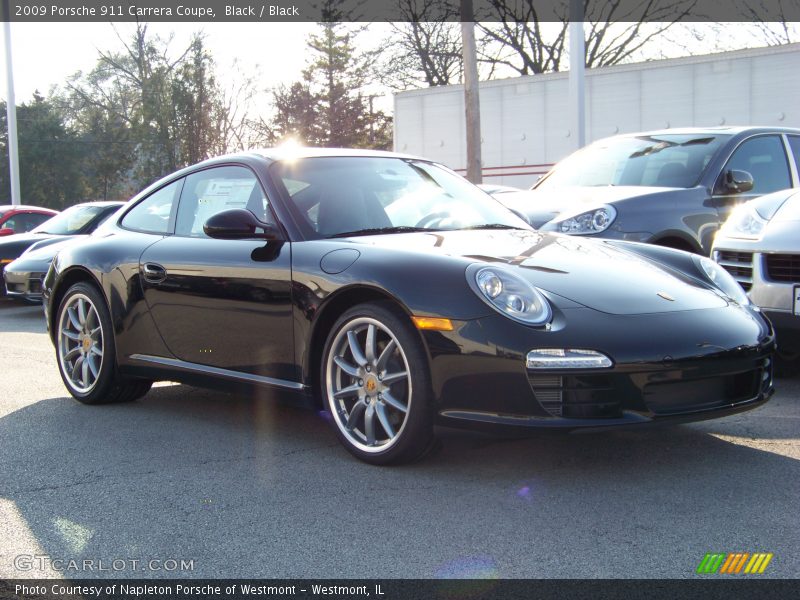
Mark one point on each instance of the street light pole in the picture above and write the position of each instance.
(577, 66)
(11, 110)
(472, 107)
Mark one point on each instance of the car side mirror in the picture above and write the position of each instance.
(239, 224)
(6, 231)
(738, 182)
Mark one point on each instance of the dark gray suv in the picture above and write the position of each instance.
(673, 187)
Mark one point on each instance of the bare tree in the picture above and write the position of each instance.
(234, 123)
(426, 48)
(532, 42)
(770, 20)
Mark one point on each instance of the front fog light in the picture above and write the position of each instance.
(567, 358)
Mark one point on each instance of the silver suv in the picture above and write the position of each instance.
(673, 187)
(760, 246)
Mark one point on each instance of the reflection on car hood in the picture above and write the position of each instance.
(541, 206)
(590, 272)
(48, 248)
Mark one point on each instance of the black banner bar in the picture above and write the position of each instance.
(397, 10)
(706, 588)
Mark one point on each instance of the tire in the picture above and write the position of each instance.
(787, 364)
(85, 350)
(381, 400)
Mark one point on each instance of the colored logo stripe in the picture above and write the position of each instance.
(710, 563)
(758, 563)
(733, 563)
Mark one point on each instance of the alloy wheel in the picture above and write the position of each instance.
(368, 384)
(80, 343)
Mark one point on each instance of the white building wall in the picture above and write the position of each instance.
(525, 120)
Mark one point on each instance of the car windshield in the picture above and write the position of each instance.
(668, 160)
(71, 221)
(341, 196)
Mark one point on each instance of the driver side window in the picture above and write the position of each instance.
(765, 159)
(211, 191)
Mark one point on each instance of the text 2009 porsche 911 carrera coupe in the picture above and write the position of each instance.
(399, 296)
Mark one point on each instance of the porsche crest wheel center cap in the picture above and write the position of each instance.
(371, 384)
(86, 343)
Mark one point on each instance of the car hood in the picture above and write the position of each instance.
(46, 249)
(13, 245)
(53, 243)
(592, 273)
(789, 212)
(541, 206)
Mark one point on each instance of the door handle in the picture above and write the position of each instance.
(154, 273)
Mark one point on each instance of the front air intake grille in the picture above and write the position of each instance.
(548, 392)
(783, 267)
(738, 264)
(681, 396)
(576, 396)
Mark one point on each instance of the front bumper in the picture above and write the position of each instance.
(678, 367)
(26, 285)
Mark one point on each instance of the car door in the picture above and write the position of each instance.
(224, 304)
(764, 157)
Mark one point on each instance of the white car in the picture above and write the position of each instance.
(760, 246)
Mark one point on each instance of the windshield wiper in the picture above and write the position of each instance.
(378, 230)
(490, 226)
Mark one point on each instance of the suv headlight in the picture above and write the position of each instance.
(592, 221)
(721, 279)
(744, 223)
(510, 295)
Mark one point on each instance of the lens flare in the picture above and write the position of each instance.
(481, 568)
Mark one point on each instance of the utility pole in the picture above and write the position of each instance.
(472, 106)
(577, 66)
(11, 110)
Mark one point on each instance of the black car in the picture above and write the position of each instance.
(24, 275)
(391, 292)
(673, 188)
(80, 219)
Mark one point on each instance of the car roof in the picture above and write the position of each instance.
(288, 152)
(26, 207)
(100, 203)
(728, 130)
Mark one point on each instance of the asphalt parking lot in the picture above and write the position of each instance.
(241, 487)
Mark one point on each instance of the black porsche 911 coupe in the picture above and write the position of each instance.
(397, 296)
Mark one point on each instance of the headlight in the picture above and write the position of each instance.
(744, 223)
(593, 221)
(721, 279)
(510, 295)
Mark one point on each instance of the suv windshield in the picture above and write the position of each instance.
(70, 222)
(339, 196)
(668, 160)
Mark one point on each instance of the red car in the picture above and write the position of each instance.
(20, 219)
